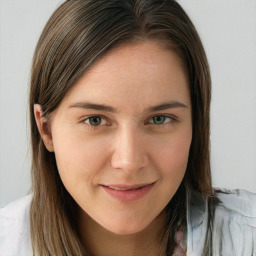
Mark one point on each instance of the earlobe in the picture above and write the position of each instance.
(44, 127)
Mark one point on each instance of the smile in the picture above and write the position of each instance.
(127, 192)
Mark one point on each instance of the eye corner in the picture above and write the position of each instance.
(160, 119)
(95, 121)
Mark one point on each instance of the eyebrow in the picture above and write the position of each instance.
(167, 105)
(102, 107)
(88, 105)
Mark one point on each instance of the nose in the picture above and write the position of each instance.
(129, 150)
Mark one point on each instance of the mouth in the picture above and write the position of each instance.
(125, 192)
(122, 187)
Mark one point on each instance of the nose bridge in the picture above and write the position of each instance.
(129, 152)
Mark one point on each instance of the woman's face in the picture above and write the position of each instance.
(122, 135)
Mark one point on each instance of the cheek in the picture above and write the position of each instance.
(172, 157)
(78, 159)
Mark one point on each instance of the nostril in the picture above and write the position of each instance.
(128, 165)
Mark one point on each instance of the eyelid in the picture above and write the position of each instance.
(84, 119)
(172, 117)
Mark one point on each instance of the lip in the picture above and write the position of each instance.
(125, 192)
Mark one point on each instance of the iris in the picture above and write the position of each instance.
(95, 120)
(159, 119)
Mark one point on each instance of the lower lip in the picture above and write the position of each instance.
(128, 195)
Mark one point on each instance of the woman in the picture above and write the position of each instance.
(119, 106)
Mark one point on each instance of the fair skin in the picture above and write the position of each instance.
(138, 142)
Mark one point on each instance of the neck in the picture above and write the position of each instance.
(101, 242)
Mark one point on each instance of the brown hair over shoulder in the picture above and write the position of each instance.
(78, 34)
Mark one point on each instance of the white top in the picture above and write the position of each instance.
(15, 228)
(234, 226)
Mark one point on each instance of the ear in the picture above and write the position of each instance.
(44, 127)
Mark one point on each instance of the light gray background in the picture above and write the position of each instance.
(228, 31)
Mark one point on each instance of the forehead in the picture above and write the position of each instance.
(144, 73)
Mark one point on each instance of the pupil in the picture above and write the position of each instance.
(159, 119)
(95, 120)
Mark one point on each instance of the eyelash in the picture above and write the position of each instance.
(107, 123)
(170, 117)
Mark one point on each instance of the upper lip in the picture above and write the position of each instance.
(127, 186)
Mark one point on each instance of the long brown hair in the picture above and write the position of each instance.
(78, 34)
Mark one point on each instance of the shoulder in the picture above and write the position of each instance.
(235, 222)
(233, 225)
(15, 228)
(238, 206)
(238, 201)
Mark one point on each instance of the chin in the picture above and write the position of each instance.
(125, 228)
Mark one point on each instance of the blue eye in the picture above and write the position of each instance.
(160, 119)
(95, 120)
